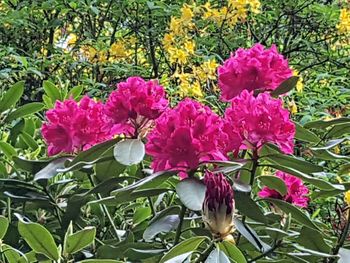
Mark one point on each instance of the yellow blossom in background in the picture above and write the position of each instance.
(190, 46)
(344, 21)
(292, 107)
(177, 56)
(300, 84)
(72, 39)
(118, 50)
(186, 14)
(168, 41)
(347, 197)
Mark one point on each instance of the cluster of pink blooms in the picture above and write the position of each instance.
(296, 190)
(74, 127)
(259, 120)
(185, 136)
(251, 69)
(134, 104)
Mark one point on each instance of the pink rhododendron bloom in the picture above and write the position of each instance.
(296, 194)
(218, 207)
(251, 69)
(259, 120)
(73, 127)
(134, 104)
(185, 136)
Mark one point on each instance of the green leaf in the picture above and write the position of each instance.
(135, 255)
(248, 207)
(129, 151)
(217, 256)
(51, 169)
(12, 255)
(12, 96)
(100, 261)
(163, 225)
(75, 92)
(29, 140)
(313, 239)
(79, 240)
(141, 214)
(274, 182)
(319, 183)
(38, 238)
(296, 213)
(232, 251)
(305, 135)
(191, 192)
(339, 130)
(293, 162)
(285, 86)
(330, 144)
(51, 90)
(25, 110)
(7, 149)
(4, 223)
(109, 168)
(31, 166)
(186, 246)
(320, 124)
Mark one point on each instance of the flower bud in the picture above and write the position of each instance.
(218, 206)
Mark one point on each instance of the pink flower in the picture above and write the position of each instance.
(73, 127)
(134, 104)
(185, 136)
(251, 69)
(259, 120)
(296, 194)
(218, 206)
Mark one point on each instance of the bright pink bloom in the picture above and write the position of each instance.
(296, 194)
(73, 127)
(259, 120)
(251, 69)
(134, 104)
(185, 136)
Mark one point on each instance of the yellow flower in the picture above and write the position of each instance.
(118, 50)
(177, 56)
(186, 14)
(293, 107)
(168, 40)
(190, 46)
(344, 21)
(347, 197)
(72, 39)
(300, 84)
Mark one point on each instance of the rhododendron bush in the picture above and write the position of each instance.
(165, 132)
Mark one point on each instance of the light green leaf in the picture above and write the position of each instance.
(8, 149)
(163, 225)
(38, 238)
(191, 192)
(232, 251)
(320, 124)
(129, 151)
(285, 86)
(25, 110)
(313, 239)
(4, 223)
(274, 182)
(79, 240)
(186, 246)
(51, 90)
(12, 96)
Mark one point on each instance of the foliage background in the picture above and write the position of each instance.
(68, 48)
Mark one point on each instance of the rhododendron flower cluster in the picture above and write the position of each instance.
(251, 69)
(185, 136)
(218, 206)
(73, 127)
(296, 190)
(134, 104)
(259, 120)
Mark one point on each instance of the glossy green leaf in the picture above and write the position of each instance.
(100, 261)
(305, 135)
(344, 255)
(38, 238)
(313, 239)
(217, 256)
(232, 251)
(162, 225)
(29, 140)
(4, 223)
(274, 182)
(25, 110)
(129, 151)
(186, 246)
(51, 90)
(51, 170)
(75, 92)
(248, 207)
(191, 192)
(320, 124)
(7, 149)
(12, 96)
(296, 213)
(79, 240)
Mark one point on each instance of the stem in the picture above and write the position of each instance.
(105, 210)
(178, 231)
(342, 237)
(266, 253)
